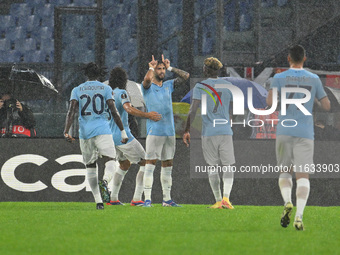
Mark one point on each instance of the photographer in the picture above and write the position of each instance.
(16, 119)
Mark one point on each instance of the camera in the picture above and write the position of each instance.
(10, 103)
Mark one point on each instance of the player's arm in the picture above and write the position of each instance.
(155, 116)
(73, 108)
(150, 74)
(269, 99)
(117, 119)
(191, 116)
(182, 75)
(324, 103)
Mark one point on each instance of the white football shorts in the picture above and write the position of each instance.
(133, 151)
(97, 146)
(160, 147)
(218, 150)
(295, 151)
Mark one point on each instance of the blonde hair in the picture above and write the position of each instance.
(213, 63)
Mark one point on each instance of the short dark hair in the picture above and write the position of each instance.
(93, 71)
(118, 78)
(297, 53)
(160, 62)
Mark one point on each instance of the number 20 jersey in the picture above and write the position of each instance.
(304, 123)
(92, 97)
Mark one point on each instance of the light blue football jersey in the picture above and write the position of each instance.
(121, 97)
(159, 99)
(215, 110)
(92, 97)
(303, 79)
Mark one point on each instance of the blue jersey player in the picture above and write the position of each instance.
(295, 134)
(92, 98)
(217, 142)
(160, 140)
(132, 151)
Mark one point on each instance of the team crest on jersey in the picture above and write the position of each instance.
(123, 96)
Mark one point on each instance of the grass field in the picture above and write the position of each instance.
(77, 228)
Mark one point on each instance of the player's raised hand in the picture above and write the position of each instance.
(186, 138)
(69, 138)
(155, 116)
(153, 62)
(166, 62)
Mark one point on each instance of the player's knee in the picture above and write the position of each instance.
(124, 165)
(167, 163)
(151, 161)
(142, 162)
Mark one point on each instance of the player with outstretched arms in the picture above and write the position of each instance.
(217, 141)
(91, 99)
(132, 152)
(295, 139)
(160, 140)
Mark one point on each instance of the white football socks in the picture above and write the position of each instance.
(214, 180)
(148, 180)
(137, 196)
(302, 193)
(228, 180)
(166, 181)
(118, 178)
(92, 178)
(110, 167)
(286, 185)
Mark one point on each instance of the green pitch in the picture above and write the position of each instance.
(77, 228)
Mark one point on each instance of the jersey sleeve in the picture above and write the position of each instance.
(74, 95)
(108, 93)
(320, 91)
(124, 97)
(196, 92)
(144, 90)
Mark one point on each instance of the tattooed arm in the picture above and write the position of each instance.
(182, 75)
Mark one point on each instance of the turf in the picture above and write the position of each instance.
(77, 228)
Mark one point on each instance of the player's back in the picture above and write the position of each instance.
(121, 97)
(295, 122)
(92, 97)
(216, 121)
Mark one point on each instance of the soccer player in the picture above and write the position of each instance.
(131, 152)
(92, 98)
(160, 140)
(295, 145)
(217, 141)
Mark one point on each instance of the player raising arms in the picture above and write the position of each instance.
(132, 151)
(92, 98)
(160, 140)
(217, 142)
(295, 145)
